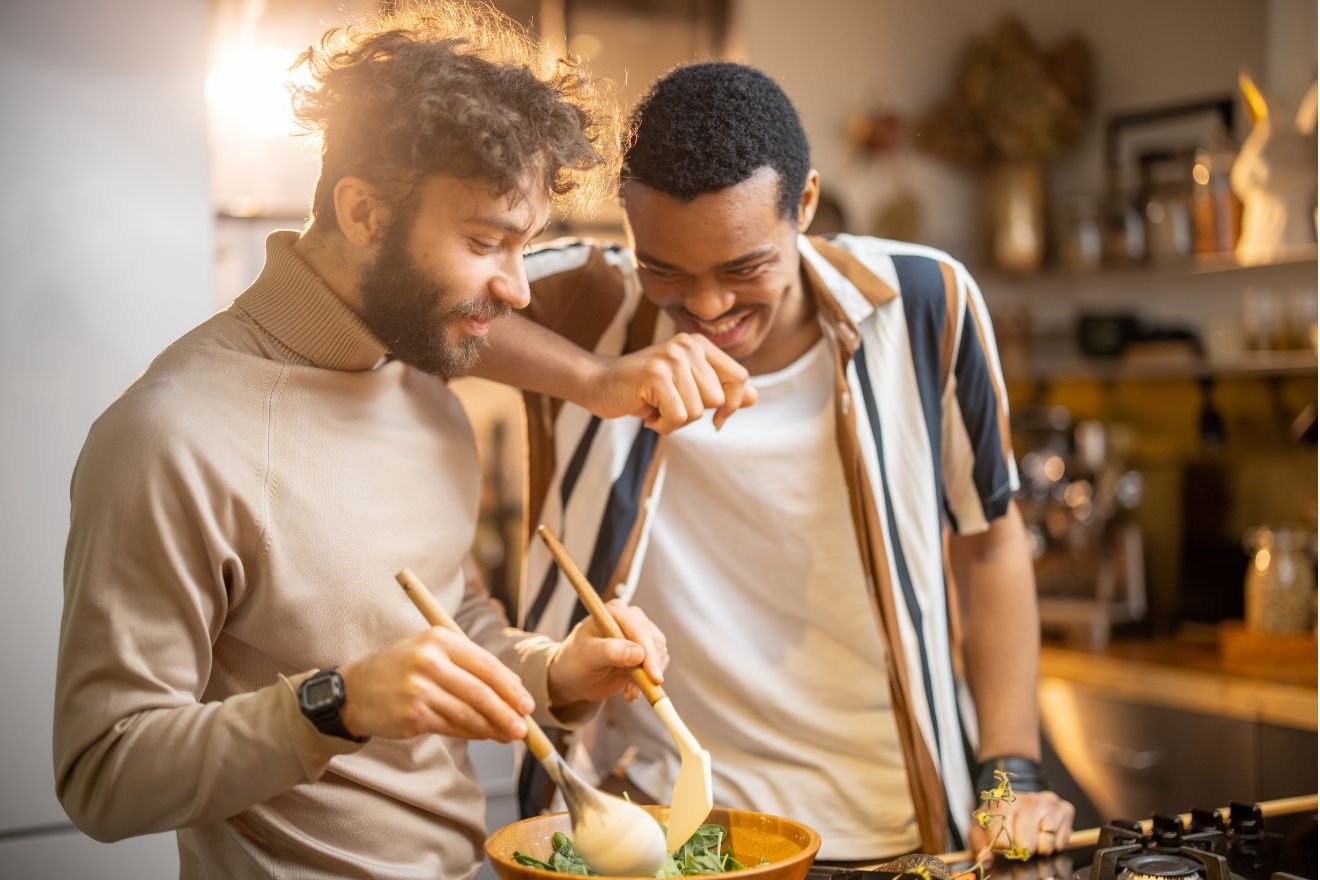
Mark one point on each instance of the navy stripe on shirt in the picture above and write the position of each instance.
(621, 510)
(924, 305)
(896, 545)
(571, 474)
(980, 412)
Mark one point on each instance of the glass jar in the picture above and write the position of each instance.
(1216, 211)
(1280, 581)
(1079, 236)
(1123, 231)
(1167, 205)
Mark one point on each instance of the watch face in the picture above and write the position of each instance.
(320, 692)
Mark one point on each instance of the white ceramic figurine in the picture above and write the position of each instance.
(1275, 176)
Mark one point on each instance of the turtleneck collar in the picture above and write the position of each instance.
(293, 304)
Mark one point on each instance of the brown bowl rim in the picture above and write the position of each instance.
(808, 851)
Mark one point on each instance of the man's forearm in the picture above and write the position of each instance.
(668, 384)
(159, 769)
(997, 588)
(526, 355)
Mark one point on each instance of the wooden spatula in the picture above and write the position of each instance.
(692, 798)
(615, 837)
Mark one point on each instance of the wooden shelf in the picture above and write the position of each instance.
(1049, 280)
(1248, 365)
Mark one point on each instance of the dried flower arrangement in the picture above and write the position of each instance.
(1012, 101)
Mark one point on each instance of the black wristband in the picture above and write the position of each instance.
(1026, 776)
(321, 697)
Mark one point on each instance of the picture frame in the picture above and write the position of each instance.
(1170, 130)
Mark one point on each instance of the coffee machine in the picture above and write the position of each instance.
(1077, 500)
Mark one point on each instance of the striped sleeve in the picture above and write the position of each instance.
(576, 290)
(978, 470)
(579, 290)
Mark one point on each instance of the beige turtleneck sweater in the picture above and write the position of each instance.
(237, 518)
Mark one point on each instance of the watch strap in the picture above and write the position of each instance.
(327, 718)
(333, 724)
(1024, 774)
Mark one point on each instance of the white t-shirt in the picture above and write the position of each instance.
(754, 575)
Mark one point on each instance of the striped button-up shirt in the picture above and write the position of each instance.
(922, 430)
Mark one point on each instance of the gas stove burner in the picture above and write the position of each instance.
(1168, 852)
(1233, 844)
(1159, 866)
(1129, 863)
(1212, 848)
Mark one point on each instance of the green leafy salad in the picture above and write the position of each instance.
(703, 853)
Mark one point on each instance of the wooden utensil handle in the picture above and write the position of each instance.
(599, 613)
(537, 742)
(1091, 836)
(426, 603)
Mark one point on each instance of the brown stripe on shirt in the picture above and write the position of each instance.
(928, 800)
(870, 285)
(950, 331)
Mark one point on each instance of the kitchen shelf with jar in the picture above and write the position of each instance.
(1204, 318)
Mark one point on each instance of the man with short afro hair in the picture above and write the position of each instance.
(794, 554)
(685, 154)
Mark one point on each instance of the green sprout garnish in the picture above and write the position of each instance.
(993, 817)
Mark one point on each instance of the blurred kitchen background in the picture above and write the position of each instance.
(1133, 184)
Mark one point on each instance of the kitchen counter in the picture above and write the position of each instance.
(1189, 675)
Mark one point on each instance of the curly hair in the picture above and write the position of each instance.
(455, 88)
(703, 127)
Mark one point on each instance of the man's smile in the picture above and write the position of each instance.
(724, 331)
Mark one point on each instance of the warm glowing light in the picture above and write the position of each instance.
(1053, 468)
(1201, 174)
(1262, 559)
(1077, 493)
(250, 88)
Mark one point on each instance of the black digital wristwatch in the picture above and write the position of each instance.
(321, 697)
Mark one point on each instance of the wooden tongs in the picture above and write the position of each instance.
(693, 797)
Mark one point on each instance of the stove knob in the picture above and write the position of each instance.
(1245, 819)
(1166, 831)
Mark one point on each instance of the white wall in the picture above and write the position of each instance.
(105, 240)
(1290, 61)
(834, 57)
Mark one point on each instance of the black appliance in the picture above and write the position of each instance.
(1240, 846)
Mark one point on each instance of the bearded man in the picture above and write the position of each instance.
(235, 662)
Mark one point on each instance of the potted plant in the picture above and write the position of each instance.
(1015, 108)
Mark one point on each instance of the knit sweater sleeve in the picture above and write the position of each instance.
(154, 563)
(528, 654)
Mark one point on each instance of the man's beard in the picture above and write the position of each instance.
(405, 309)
